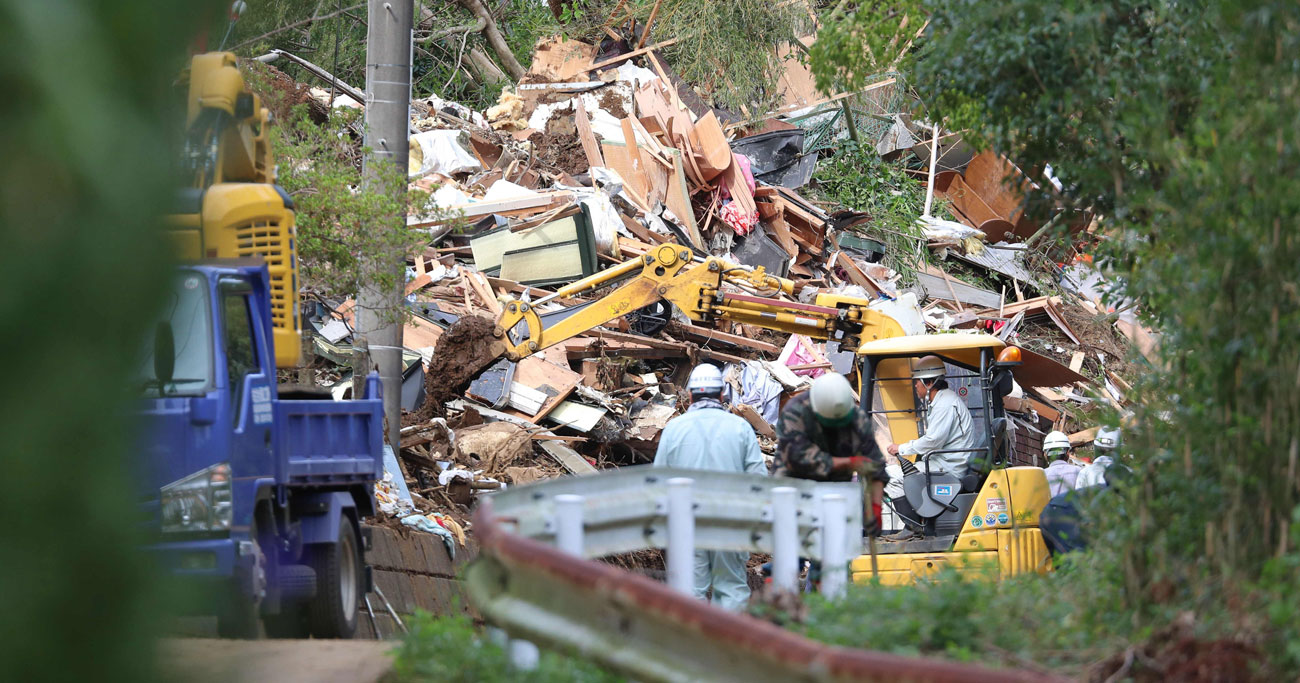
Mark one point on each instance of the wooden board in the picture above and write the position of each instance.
(761, 427)
(590, 146)
(678, 198)
(616, 159)
(538, 374)
(557, 59)
(710, 143)
(705, 335)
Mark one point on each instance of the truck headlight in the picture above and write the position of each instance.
(199, 502)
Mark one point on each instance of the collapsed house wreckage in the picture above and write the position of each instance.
(599, 157)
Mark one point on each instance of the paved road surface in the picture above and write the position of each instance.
(209, 660)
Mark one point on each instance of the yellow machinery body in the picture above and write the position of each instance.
(1000, 538)
(230, 204)
(1011, 499)
(694, 285)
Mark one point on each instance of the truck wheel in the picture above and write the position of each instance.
(339, 575)
(239, 614)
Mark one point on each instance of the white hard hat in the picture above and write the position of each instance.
(929, 367)
(1107, 439)
(832, 399)
(705, 377)
(1056, 440)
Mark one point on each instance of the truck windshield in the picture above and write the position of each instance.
(186, 315)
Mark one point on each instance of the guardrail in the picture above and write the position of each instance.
(523, 583)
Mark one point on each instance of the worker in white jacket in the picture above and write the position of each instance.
(948, 441)
(708, 437)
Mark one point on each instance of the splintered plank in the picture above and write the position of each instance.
(590, 146)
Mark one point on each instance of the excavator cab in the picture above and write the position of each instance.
(986, 521)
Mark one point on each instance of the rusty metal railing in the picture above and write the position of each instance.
(648, 630)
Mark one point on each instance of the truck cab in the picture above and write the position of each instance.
(247, 495)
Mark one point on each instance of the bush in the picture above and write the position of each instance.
(451, 649)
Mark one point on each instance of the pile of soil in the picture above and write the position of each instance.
(612, 103)
(286, 93)
(463, 351)
(560, 147)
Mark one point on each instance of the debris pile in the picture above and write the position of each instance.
(597, 158)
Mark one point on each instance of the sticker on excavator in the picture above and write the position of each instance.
(990, 519)
(997, 505)
(943, 489)
(976, 522)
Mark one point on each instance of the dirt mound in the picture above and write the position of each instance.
(463, 351)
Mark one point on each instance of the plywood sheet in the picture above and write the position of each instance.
(541, 375)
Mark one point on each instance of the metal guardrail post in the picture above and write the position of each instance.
(785, 539)
(681, 535)
(568, 523)
(834, 562)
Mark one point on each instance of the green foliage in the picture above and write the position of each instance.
(336, 43)
(82, 190)
(450, 649)
(1175, 123)
(1029, 618)
(339, 211)
(856, 45)
(856, 178)
(728, 49)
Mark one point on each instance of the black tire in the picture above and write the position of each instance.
(239, 615)
(291, 622)
(340, 573)
(295, 580)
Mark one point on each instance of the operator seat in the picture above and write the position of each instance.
(980, 463)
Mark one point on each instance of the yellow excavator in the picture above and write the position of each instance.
(985, 523)
(230, 206)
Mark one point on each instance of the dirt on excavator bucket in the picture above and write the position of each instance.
(463, 351)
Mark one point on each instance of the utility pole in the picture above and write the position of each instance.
(388, 100)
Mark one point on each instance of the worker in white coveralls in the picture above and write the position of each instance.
(708, 437)
(1106, 446)
(948, 441)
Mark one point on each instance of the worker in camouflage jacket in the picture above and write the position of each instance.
(823, 435)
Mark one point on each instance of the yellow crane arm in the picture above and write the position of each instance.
(672, 273)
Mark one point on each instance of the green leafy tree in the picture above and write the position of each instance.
(1175, 123)
(320, 166)
(84, 181)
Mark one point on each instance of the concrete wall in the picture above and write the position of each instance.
(414, 571)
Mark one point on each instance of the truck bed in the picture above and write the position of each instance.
(330, 442)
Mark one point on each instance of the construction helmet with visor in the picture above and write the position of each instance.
(1107, 441)
(832, 400)
(706, 380)
(1056, 444)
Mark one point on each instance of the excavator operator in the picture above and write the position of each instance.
(948, 442)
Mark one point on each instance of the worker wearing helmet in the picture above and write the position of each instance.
(822, 435)
(708, 437)
(1106, 446)
(946, 444)
(1061, 473)
(949, 437)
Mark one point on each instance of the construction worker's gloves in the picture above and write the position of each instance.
(859, 463)
(871, 527)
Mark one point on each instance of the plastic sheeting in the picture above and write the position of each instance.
(757, 388)
(441, 151)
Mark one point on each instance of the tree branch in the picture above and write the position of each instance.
(296, 24)
(494, 38)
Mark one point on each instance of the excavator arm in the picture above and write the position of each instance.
(694, 284)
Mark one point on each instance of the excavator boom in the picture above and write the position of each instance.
(695, 285)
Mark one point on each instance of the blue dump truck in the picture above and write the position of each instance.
(253, 496)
